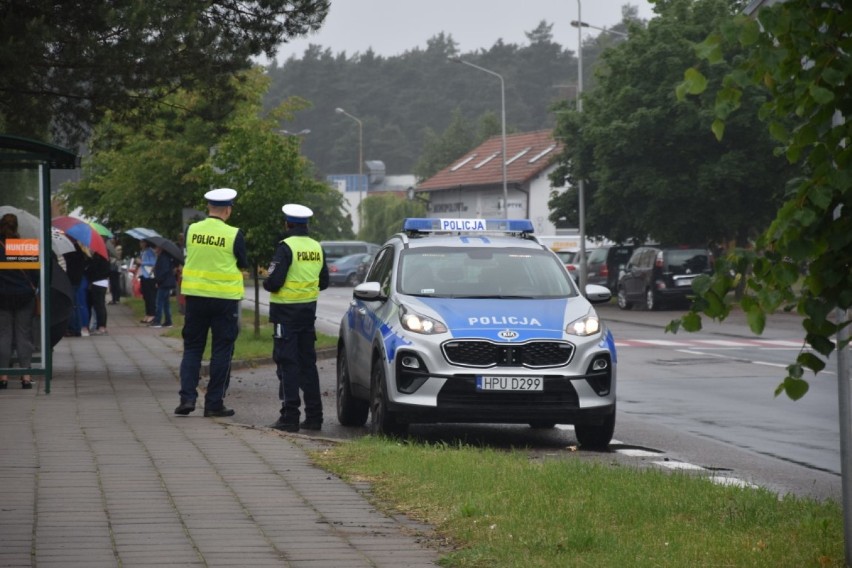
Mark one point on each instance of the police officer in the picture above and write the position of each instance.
(213, 285)
(296, 276)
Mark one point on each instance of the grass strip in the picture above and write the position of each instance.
(505, 509)
(246, 347)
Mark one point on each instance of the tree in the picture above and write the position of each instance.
(649, 174)
(65, 64)
(798, 54)
(383, 216)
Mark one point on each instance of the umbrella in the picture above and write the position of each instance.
(169, 247)
(29, 227)
(60, 241)
(102, 231)
(82, 232)
(142, 233)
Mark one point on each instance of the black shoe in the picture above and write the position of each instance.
(286, 426)
(26, 384)
(311, 424)
(4, 384)
(185, 408)
(218, 413)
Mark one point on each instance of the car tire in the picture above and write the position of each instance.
(351, 411)
(352, 280)
(622, 300)
(596, 436)
(650, 300)
(383, 422)
(542, 425)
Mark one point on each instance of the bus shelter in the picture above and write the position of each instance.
(25, 167)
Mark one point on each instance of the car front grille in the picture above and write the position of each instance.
(484, 354)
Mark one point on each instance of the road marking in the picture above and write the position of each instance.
(714, 344)
(673, 464)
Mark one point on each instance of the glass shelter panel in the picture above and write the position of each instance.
(24, 252)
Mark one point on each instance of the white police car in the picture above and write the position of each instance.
(472, 320)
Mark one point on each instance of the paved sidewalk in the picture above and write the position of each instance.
(100, 472)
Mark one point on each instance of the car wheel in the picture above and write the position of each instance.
(383, 422)
(542, 425)
(351, 411)
(596, 436)
(623, 302)
(650, 300)
(352, 280)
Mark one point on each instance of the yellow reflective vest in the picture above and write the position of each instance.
(302, 282)
(211, 268)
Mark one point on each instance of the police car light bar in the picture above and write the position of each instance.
(468, 225)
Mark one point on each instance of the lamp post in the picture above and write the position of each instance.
(503, 125)
(580, 185)
(580, 24)
(339, 110)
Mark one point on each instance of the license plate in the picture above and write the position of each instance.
(491, 383)
(684, 282)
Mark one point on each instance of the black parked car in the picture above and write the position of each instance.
(604, 264)
(657, 275)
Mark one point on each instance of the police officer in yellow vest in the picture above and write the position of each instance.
(296, 276)
(213, 285)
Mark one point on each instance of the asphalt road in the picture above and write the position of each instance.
(705, 400)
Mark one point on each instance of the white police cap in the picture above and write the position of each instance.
(297, 213)
(224, 196)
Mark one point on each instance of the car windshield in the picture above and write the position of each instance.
(482, 273)
(687, 260)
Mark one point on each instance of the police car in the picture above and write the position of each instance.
(473, 320)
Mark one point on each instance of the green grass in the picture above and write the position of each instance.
(247, 346)
(504, 509)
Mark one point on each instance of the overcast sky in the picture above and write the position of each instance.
(392, 27)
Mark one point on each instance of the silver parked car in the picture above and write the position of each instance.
(468, 320)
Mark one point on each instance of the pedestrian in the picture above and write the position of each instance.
(114, 251)
(147, 260)
(164, 277)
(213, 286)
(18, 291)
(75, 264)
(97, 273)
(296, 276)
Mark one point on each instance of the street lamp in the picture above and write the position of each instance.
(503, 123)
(339, 110)
(580, 24)
(581, 189)
(577, 24)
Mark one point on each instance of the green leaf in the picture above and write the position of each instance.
(718, 129)
(821, 95)
(778, 131)
(756, 320)
(696, 82)
(811, 361)
(795, 388)
(710, 49)
(691, 322)
(749, 33)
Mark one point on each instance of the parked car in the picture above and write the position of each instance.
(656, 275)
(338, 249)
(468, 320)
(604, 264)
(571, 260)
(348, 270)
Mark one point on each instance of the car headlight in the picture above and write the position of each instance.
(417, 323)
(585, 326)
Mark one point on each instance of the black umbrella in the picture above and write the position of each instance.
(169, 247)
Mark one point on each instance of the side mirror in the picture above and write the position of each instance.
(368, 291)
(597, 294)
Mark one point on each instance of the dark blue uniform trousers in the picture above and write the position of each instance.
(220, 317)
(296, 366)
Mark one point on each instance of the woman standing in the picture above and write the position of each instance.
(148, 258)
(17, 306)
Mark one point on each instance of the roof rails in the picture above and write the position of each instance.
(424, 225)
